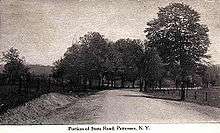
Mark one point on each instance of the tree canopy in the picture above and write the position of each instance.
(177, 45)
(14, 67)
(179, 37)
(95, 58)
(182, 42)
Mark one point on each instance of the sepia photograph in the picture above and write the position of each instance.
(85, 62)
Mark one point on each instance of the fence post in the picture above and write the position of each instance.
(38, 84)
(186, 92)
(49, 84)
(195, 95)
(206, 96)
(63, 87)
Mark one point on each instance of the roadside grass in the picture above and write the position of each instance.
(210, 97)
(12, 96)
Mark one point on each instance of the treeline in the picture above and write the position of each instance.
(95, 61)
(175, 49)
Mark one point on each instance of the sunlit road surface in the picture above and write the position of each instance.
(129, 106)
(116, 106)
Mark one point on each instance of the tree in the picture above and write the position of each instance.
(94, 51)
(211, 75)
(84, 61)
(130, 53)
(58, 69)
(14, 68)
(151, 68)
(179, 38)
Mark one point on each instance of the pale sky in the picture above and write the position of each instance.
(43, 29)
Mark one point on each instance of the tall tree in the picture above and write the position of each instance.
(151, 68)
(94, 51)
(14, 68)
(130, 51)
(84, 61)
(179, 38)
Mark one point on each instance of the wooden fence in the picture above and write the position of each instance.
(208, 96)
(23, 90)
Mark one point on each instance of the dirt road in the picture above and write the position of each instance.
(127, 106)
(120, 106)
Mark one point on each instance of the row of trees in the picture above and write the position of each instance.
(175, 47)
(14, 68)
(94, 59)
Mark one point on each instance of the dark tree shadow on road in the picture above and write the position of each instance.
(152, 97)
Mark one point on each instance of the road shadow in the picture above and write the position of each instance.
(152, 97)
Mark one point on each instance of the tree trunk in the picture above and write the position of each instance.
(85, 82)
(90, 83)
(182, 92)
(122, 82)
(112, 83)
(38, 84)
(63, 87)
(99, 82)
(160, 83)
(145, 84)
(176, 84)
(108, 83)
(141, 85)
(49, 84)
(102, 80)
(133, 83)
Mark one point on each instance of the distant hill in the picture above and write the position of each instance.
(36, 69)
(40, 69)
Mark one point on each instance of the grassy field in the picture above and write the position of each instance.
(210, 97)
(11, 96)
